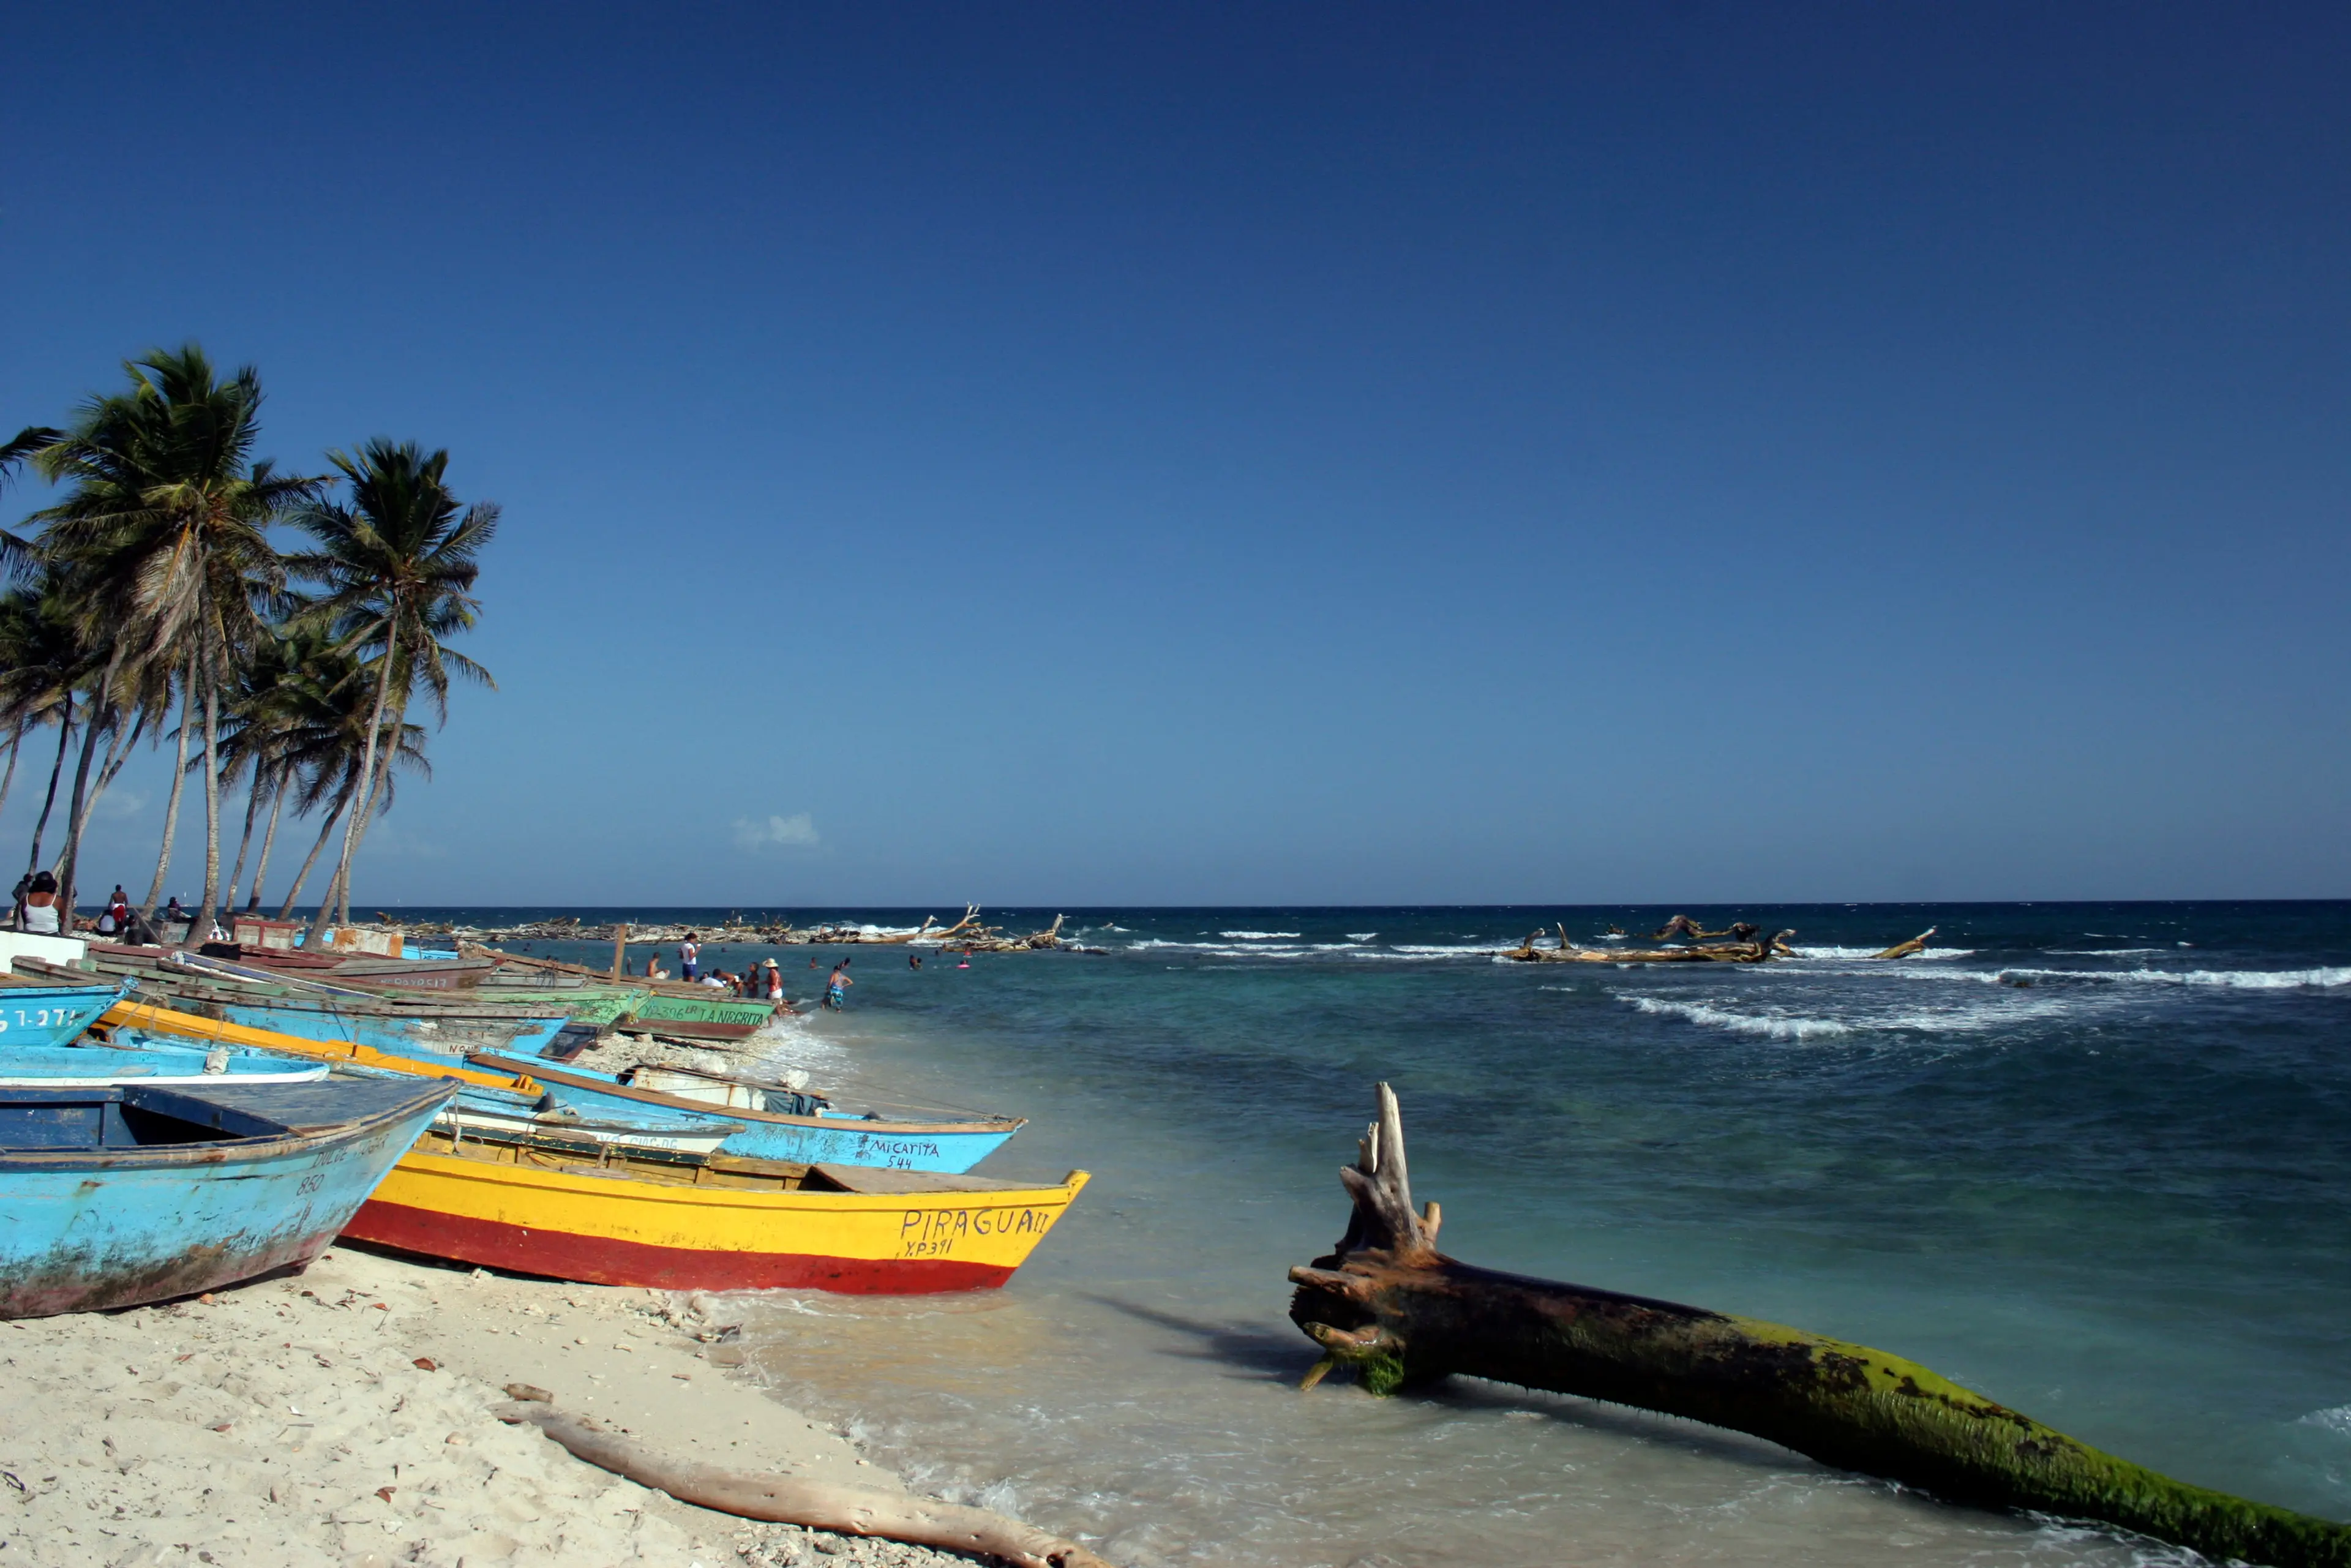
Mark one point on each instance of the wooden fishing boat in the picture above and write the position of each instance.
(47, 1013)
(90, 1066)
(776, 1124)
(128, 1193)
(141, 1023)
(684, 1222)
(476, 1120)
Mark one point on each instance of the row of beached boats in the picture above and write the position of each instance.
(172, 1121)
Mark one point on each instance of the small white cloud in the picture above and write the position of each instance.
(795, 832)
(118, 805)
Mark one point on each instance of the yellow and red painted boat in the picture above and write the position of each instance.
(542, 1204)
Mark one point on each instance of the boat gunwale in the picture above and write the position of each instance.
(885, 1127)
(422, 1161)
(230, 1151)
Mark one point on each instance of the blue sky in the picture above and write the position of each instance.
(1315, 452)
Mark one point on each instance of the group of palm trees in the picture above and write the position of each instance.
(154, 586)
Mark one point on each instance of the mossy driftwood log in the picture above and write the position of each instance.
(817, 1505)
(1397, 1311)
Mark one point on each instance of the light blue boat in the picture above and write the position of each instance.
(410, 1034)
(117, 1196)
(89, 1066)
(800, 1127)
(53, 1015)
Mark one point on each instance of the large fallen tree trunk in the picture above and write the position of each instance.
(1392, 1308)
(1751, 950)
(786, 1499)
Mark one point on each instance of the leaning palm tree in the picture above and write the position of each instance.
(44, 667)
(168, 516)
(327, 703)
(278, 692)
(397, 566)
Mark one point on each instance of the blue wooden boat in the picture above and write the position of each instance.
(118, 1195)
(53, 1015)
(84, 1066)
(438, 1033)
(802, 1128)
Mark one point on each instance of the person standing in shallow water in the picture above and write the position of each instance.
(689, 958)
(836, 984)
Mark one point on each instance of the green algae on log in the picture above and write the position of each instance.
(1392, 1308)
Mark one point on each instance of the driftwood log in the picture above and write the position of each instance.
(1390, 1307)
(1750, 948)
(1904, 949)
(788, 1500)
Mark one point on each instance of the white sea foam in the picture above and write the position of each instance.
(2336, 1420)
(1971, 1019)
(1433, 950)
(2101, 952)
(1259, 935)
(2240, 979)
(1772, 1026)
(1361, 935)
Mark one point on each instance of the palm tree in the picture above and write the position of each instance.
(324, 705)
(269, 707)
(43, 664)
(16, 555)
(169, 515)
(398, 565)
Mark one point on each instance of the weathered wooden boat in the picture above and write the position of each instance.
(776, 1124)
(495, 1097)
(128, 1193)
(470, 1118)
(142, 1024)
(52, 1014)
(699, 1018)
(415, 974)
(685, 1222)
(440, 1032)
(87, 1066)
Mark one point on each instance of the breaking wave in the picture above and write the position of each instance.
(1972, 1018)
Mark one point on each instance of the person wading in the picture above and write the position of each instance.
(836, 984)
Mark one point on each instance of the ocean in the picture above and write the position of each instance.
(2092, 1160)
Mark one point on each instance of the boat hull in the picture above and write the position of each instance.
(439, 1037)
(588, 1228)
(93, 1231)
(945, 1149)
(31, 1014)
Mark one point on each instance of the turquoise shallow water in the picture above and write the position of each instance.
(2088, 1159)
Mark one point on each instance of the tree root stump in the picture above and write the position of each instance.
(1387, 1305)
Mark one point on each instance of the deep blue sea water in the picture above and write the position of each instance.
(2092, 1160)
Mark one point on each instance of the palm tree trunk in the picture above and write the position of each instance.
(15, 740)
(276, 804)
(117, 754)
(367, 785)
(375, 802)
(252, 804)
(294, 892)
(65, 734)
(211, 902)
(179, 777)
(74, 817)
(85, 802)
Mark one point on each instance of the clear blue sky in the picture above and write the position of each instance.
(1339, 453)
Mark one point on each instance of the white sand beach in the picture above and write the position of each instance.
(344, 1417)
